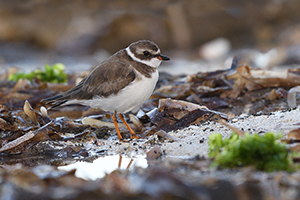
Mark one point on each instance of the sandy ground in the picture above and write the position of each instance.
(193, 140)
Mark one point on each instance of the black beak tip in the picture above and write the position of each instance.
(162, 57)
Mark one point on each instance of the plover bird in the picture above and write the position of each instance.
(121, 83)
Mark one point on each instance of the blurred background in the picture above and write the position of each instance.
(196, 34)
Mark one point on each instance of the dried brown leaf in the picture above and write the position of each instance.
(256, 79)
(4, 125)
(237, 88)
(294, 134)
(18, 141)
(265, 79)
(190, 118)
(241, 71)
(21, 84)
(136, 122)
(26, 141)
(177, 114)
(158, 118)
(178, 104)
(272, 95)
(29, 112)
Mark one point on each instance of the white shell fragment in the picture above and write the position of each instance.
(291, 99)
(44, 111)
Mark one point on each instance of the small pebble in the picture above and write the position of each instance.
(154, 153)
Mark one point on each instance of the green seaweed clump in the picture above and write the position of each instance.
(261, 151)
(51, 74)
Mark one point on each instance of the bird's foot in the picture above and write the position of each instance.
(134, 136)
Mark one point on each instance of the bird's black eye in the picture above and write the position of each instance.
(146, 53)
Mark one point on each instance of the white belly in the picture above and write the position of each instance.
(129, 98)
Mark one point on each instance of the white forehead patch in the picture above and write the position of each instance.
(153, 62)
(140, 51)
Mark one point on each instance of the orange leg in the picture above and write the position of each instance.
(133, 135)
(129, 164)
(114, 118)
(120, 161)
